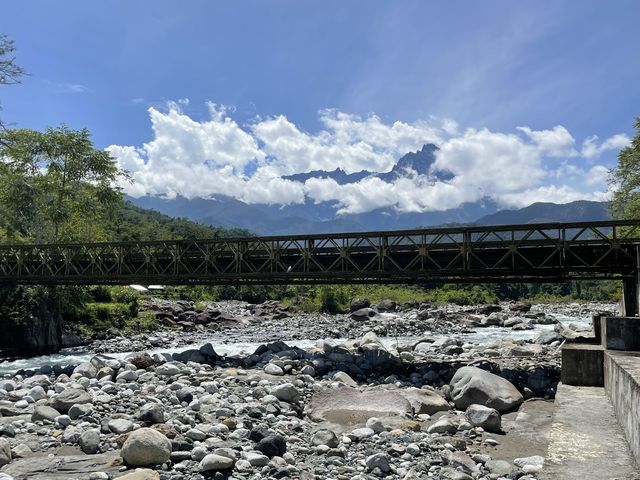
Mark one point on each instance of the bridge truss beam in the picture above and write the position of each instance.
(549, 252)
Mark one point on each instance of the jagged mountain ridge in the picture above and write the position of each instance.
(311, 217)
(420, 162)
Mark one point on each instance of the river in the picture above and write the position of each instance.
(480, 335)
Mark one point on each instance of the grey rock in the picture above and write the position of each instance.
(43, 413)
(472, 385)
(386, 305)
(191, 355)
(443, 425)
(71, 434)
(79, 410)
(5, 452)
(360, 434)
(146, 447)
(425, 401)
(272, 445)
(344, 378)
(325, 437)
(62, 467)
(486, 417)
(120, 425)
(348, 406)
(499, 467)
(286, 392)
(21, 450)
(151, 413)
(69, 397)
(215, 463)
(273, 369)
(547, 337)
(378, 460)
(462, 461)
(363, 314)
(358, 304)
(168, 370)
(532, 464)
(257, 459)
(86, 369)
(90, 441)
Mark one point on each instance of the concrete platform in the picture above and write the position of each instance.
(586, 442)
(583, 365)
(620, 333)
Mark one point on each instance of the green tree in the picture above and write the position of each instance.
(55, 186)
(10, 72)
(625, 180)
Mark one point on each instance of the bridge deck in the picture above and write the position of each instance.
(536, 252)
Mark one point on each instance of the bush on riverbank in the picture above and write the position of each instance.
(336, 298)
(472, 295)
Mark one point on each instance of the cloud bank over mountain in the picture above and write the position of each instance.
(218, 156)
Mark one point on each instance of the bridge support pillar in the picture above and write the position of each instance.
(630, 297)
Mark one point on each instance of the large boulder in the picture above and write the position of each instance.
(472, 385)
(146, 447)
(425, 401)
(347, 406)
(69, 397)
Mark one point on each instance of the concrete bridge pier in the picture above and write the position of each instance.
(631, 296)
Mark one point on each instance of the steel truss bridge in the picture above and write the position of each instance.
(549, 252)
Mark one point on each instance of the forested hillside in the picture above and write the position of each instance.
(133, 223)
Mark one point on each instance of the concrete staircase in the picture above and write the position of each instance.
(596, 425)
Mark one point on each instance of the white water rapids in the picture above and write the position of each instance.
(481, 335)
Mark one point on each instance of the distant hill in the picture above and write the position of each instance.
(311, 217)
(133, 223)
(543, 212)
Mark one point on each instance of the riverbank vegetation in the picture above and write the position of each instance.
(336, 298)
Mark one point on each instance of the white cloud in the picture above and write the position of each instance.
(217, 156)
(591, 148)
(550, 193)
(348, 141)
(66, 87)
(557, 142)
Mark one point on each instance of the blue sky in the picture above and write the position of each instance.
(276, 66)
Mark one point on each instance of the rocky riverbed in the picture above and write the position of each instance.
(400, 392)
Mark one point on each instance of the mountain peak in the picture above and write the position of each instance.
(419, 161)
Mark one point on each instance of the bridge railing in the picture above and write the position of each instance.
(551, 250)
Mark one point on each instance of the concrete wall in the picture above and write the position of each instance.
(622, 383)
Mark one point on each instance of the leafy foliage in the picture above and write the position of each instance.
(55, 186)
(10, 72)
(625, 179)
